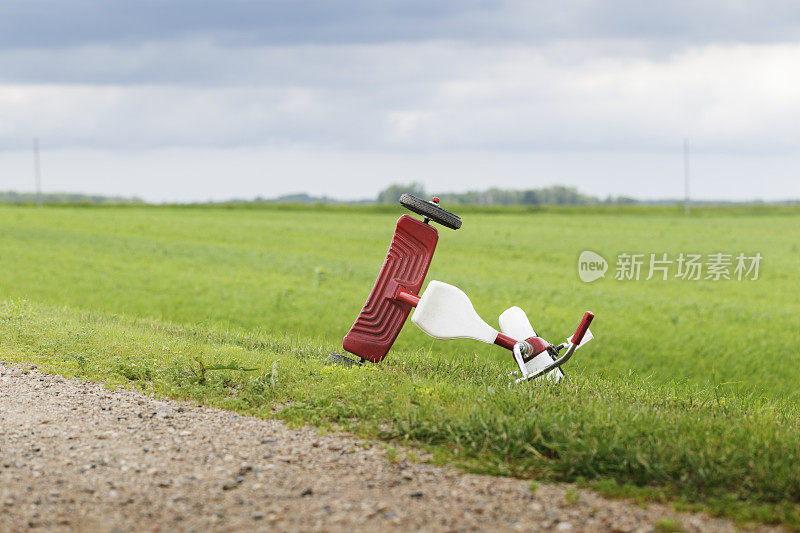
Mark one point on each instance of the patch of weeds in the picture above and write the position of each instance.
(533, 486)
(571, 496)
(200, 372)
(82, 362)
(390, 452)
(325, 428)
(667, 525)
(641, 495)
(133, 371)
(787, 513)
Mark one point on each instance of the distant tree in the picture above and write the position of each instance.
(625, 200)
(392, 193)
(531, 197)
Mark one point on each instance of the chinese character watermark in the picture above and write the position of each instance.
(685, 266)
(659, 265)
(689, 266)
(629, 266)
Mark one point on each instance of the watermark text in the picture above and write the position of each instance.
(663, 266)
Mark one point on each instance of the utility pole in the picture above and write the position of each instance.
(686, 202)
(37, 172)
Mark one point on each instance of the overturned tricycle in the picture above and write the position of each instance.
(442, 310)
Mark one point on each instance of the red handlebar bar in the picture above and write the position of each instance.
(583, 327)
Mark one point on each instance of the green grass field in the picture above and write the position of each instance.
(689, 392)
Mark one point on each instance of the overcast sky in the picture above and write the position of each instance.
(186, 100)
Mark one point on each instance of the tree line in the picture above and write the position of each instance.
(12, 197)
(555, 195)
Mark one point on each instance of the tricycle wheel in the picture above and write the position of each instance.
(430, 211)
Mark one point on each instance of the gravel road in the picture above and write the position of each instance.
(76, 456)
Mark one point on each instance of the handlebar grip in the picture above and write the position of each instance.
(583, 327)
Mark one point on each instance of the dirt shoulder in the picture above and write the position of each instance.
(76, 456)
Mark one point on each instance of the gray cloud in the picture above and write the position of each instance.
(426, 96)
(242, 41)
(54, 23)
